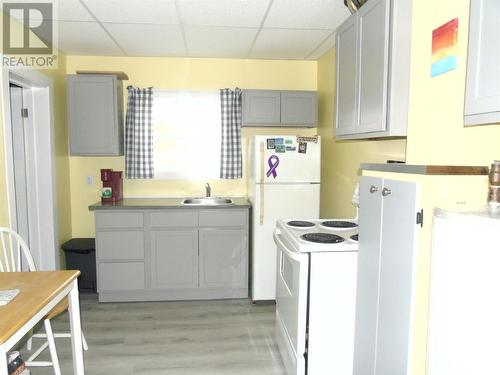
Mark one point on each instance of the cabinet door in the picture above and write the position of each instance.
(373, 61)
(223, 258)
(93, 116)
(261, 107)
(482, 99)
(370, 231)
(299, 108)
(346, 110)
(396, 286)
(174, 259)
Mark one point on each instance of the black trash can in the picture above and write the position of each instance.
(80, 255)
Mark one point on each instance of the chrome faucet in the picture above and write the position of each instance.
(208, 190)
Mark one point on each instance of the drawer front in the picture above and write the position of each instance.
(119, 219)
(223, 218)
(121, 276)
(174, 218)
(120, 245)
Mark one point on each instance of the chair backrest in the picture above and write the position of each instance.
(12, 249)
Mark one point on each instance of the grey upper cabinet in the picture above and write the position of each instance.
(347, 117)
(95, 114)
(299, 108)
(373, 71)
(482, 96)
(279, 108)
(261, 107)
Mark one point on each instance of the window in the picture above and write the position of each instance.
(187, 134)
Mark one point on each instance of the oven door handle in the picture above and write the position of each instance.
(290, 254)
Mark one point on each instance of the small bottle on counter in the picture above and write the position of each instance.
(494, 188)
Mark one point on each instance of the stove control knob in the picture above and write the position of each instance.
(373, 189)
(386, 192)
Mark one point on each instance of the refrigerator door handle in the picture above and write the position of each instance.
(261, 207)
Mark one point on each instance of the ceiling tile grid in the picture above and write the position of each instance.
(262, 29)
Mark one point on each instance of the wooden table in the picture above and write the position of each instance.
(39, 293)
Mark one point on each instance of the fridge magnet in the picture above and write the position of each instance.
(291, 148)
(302, 147)
(273, 163)
(313, 139)
(289, 141)
(444, 48)
(280, 148)
(278, 141)
(270, 143)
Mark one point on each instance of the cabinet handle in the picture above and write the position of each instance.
(386, 192)
(373, 189)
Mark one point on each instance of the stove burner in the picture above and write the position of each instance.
(322, 238)
(300, 224)
(339, 224)
(355, 237)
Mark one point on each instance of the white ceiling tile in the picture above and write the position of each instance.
(205, 41)
(159, 12)
(72, 10)
(226, 13)
(325, 46)
(85, 38)
(66, 10)
(287, 43)
(148, 40)
(307, 14)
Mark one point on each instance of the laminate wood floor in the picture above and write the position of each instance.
(196, 337)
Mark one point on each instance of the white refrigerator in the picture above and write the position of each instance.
(284, 183)
(464, 308)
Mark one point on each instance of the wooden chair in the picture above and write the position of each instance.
(13, 253)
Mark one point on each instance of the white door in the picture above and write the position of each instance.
(386, 261)
(298, 163)
(370, 223)
(270, 203)
(20, 159)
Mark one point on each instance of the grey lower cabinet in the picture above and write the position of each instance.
(174, 259)
(280, 108)
(482, 95)
(172, 254)
(223, 258)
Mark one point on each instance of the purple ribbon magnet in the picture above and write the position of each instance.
(273, 163)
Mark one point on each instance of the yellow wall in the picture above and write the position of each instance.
(340, 159)
(436, 134)
(179, 73)
(61, 153)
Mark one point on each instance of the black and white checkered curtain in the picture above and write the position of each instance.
(139, 133)
(230, 158)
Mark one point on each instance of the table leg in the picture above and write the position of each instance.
(76, 330)
(3, 360)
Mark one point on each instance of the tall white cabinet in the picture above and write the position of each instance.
(373, 71)
(388, 231)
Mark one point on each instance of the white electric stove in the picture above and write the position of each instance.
(316, 295)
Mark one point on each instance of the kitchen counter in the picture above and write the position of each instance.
(425, 169)
(164, 203)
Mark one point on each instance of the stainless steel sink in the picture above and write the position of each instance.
(207, 201)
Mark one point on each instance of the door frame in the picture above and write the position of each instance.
(38, 97)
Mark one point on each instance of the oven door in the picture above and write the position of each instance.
(291, 305)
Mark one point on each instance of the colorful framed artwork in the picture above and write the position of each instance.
(444, 48)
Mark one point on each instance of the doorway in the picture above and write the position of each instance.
(29, 159)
